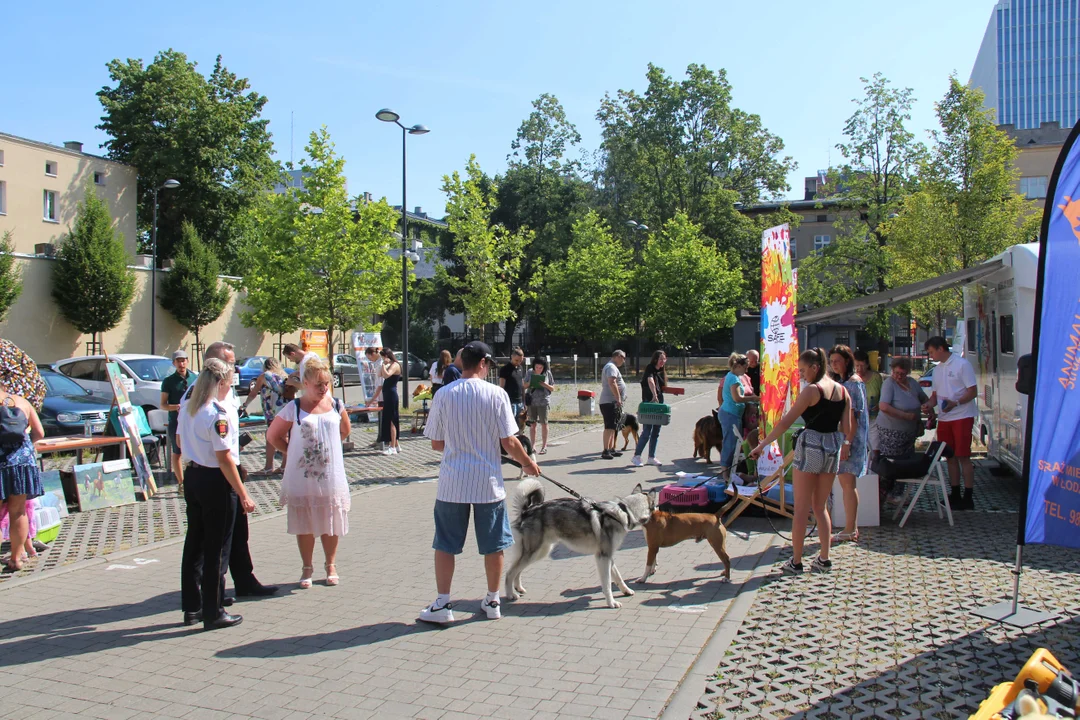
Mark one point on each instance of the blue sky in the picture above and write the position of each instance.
(469, 70)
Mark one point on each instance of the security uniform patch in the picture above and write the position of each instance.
(222, 427)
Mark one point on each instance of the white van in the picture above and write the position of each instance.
(999, 317)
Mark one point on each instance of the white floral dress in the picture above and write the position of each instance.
(314, 489)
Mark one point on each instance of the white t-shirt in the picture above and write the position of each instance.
(471, 416)
(215, 426)
(303, 364)
(435, 378)
(951, 378)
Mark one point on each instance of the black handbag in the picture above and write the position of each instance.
(13, 422)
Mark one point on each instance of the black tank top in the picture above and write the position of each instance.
(825, 416)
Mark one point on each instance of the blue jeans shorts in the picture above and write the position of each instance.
(490, 521)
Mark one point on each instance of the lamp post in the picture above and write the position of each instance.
(167, 185)
(636, 228)
(390, 116)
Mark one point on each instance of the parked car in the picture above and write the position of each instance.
(247, 370)
(144, 374)
(926, 380)
(346, 371)
(417, 367)
(68, 406)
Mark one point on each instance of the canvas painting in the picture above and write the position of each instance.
(54, 492)
(106, 484)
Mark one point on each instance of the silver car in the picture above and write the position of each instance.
(142, 375)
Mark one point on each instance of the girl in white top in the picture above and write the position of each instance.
(314, 488)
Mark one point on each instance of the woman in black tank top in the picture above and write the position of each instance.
(825, 408)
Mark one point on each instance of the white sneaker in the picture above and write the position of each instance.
(388, 451)
(636, 461)
(654, 461)
(493, 609)
(442, 616)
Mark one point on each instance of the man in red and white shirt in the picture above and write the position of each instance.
(954, 393)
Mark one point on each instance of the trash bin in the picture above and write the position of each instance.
(586, 402)
(874, 360)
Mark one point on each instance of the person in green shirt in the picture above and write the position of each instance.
(871, 379)
(173, 388)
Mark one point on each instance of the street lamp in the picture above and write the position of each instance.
(390, 116)
(636, 228)
(167, 185)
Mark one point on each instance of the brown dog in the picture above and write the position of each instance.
(666, 529)
(707, 435)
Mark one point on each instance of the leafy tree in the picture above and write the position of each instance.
(686, 285)
(10, 276)
(881, 156)
(426, 308)
(170, 121)
(585, 295)
(490, 255)
(270, 268)
(967, 209)
(190, 292)
(543, 138)
(681, 147)
(92, 284)
(320, 255)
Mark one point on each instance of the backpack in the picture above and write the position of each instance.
(13, 423)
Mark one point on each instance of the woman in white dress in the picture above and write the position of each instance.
(314, 488)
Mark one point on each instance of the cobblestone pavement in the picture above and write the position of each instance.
(888, 633)
(105, 640)
(86, 535)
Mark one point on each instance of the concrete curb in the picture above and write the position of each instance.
(684, 701)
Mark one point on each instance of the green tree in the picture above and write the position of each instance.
(190, 292)
(92, 284)
(682, 147)
(585, 295)
(10, 276)
(321, 254)
(881, 157)
(967, 209)
(489, 255)
(170, 121)
(686, 285)
(543, 139)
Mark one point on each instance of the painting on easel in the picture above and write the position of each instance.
(130, 425)
(107, 484)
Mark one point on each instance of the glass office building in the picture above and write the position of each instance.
(1029, 62)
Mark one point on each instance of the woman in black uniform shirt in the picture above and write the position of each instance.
(825, 408)
(390, 372)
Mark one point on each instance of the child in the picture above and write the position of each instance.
(29, 548)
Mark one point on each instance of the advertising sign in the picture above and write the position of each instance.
(779, 339)
(315, 341)
(1053, 466)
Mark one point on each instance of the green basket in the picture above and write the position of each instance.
(647, 408)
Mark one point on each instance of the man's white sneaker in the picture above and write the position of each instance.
(636, 461)
(654, 461)
(443, 615)
(388, 451)
(493, 609)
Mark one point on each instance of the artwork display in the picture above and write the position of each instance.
(107, 484)
(130, 425)
(779, 339)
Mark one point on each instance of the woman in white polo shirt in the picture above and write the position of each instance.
(209, 434)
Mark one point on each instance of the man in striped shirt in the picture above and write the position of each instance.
(468, 421)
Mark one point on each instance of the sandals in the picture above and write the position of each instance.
(305, 582)
(331, 578)
(845, 536)
(543, 451)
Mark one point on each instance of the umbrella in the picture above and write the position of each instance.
(19, 374)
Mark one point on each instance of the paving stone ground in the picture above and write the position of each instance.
(105, 640)
(889, 633)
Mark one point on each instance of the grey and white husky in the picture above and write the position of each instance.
(584, 526)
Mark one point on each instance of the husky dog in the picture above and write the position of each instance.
(584, 526)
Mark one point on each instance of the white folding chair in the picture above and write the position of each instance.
(739, 454)
(935, 476)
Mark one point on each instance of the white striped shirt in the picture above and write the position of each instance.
(471, 416)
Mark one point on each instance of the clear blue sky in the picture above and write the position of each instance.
(469, 70)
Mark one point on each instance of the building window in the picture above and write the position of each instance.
(1, 158)
(794, 248)
(823, 218)
(50, 168)
(3, 198)
(99, 178)
(49, 206)
(1005, 335)
(1033, 188)
(821, 242)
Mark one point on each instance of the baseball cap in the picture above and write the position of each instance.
(475, 352)
(179, 355)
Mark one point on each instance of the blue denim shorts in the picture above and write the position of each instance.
(490, 521)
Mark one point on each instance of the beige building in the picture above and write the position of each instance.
(1039, 149)
(41, 186)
